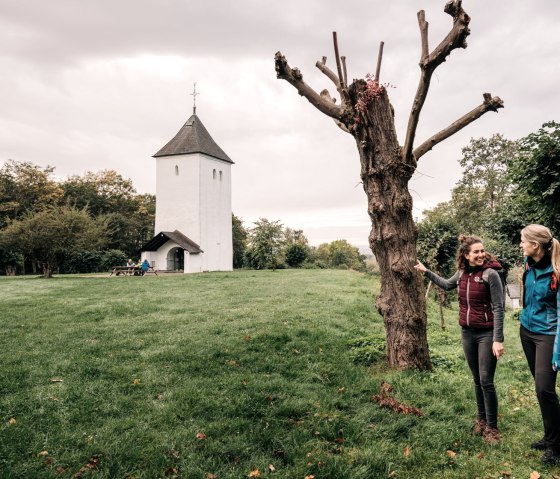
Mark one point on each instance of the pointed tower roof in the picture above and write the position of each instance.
(193, 137)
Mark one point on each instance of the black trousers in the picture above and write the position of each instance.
(477, 346)
(538, 351)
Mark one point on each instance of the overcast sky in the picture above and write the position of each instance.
(88, 85)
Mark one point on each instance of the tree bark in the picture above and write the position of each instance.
(393, 234)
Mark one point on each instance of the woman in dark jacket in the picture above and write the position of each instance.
(481, 316)
(540, 320)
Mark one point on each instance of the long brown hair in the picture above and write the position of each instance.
(464, 248)
(549, 245)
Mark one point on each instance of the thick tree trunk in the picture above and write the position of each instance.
(385, 175)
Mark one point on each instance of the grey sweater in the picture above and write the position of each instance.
(496, 295)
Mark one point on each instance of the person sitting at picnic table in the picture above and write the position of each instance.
(130, 266)
(145, 266)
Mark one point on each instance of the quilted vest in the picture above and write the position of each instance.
(475, 304)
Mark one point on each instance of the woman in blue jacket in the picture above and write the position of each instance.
(539, 329)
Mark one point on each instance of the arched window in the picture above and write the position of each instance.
(220, 175)
(214, 174)
(176, 170)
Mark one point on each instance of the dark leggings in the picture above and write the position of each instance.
(538, 351)
(477, 345)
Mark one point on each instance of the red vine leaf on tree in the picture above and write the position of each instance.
(386, 400)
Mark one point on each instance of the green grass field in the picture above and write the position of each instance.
(242, 374)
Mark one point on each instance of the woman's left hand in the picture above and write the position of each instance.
(498, 349)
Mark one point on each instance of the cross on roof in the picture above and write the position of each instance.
(194, 94)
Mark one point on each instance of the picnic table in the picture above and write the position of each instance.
(131, 271)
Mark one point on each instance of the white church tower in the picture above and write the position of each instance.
(193, 204)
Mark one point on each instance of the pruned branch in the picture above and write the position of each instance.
(489, 104)
(423, 34)
(456, 38)
(295, 78)
(379, 58)
(343, 90)
(322, 65)
(325, 94)
(337, 59)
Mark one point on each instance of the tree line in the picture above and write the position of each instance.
(269, 245)
(505, 185)
(92, 222)
(80, 224)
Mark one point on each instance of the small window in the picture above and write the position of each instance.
(176, 170)
(220, 175)
(214, 174)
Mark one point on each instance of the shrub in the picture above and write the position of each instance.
(113, 257)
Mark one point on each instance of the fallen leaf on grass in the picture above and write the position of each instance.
(534, 475)
(310, 477)
(211, 476)
(407, 452)
(43, 453)
(271, 468)
(171, 471)
(505, 473)
(201, 436)
(232, 362)
(480, 455)
(136, 382)
(451, 454)
(60, 470)
(92, 464)
(254, 473)
(384, 399)
(12, 421)
(57, 380)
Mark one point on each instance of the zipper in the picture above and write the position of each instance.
(468, 302)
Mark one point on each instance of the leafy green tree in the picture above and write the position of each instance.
(265, 244)
(239, 236)
(11, 261)
(47, 235)
(296, 249)
(340, 254)
(437, 244)
(535, 172)
(25, 188)
(296, 254)
(130, 216)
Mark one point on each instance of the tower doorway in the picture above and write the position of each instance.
(176, 259)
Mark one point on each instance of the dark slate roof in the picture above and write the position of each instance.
(177, 237)
(193, 137)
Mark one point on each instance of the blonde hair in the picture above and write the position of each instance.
(549, 245)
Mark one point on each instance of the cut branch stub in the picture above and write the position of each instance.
(295, 78)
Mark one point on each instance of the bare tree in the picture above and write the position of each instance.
(386, 167)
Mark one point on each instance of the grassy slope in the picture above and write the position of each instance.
(133, 369)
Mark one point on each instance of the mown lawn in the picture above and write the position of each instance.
(233, 375)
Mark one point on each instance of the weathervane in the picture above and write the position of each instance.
(194, 93)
